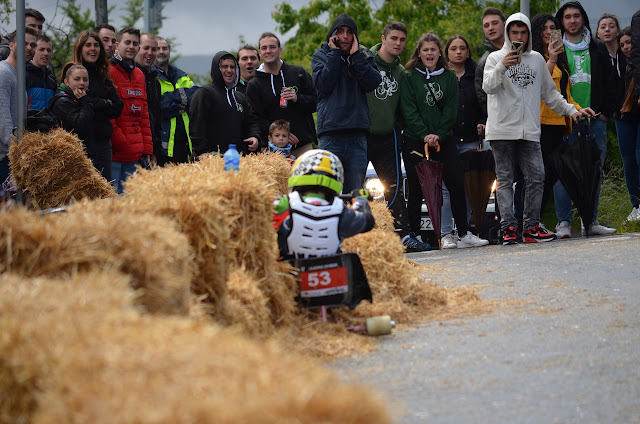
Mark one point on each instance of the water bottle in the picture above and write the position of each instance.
(231, 159)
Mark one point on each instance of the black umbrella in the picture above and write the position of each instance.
(579, 168)
(430, 177)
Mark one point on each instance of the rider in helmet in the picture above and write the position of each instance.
(312, 219)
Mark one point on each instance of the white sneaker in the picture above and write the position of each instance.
(599, 230)
(633, 216)
(449, 241)
(471, 240)
(563, 230)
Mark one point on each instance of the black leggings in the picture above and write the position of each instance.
(452, 177)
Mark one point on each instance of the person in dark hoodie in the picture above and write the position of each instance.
(102, 94)
(282, 91)
(41, 81)
(593, 85)
(384, 143)
(72, 106)
(343, 72)
(219, 115)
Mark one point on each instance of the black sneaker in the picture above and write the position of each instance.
(538, 234)
(509, 236)
(412, 244)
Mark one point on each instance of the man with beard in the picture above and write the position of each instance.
(176, 89)
(107, 34)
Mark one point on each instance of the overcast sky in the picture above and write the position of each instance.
(206, 26)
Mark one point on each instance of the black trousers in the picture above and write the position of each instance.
(452, 177)
(383, 151)
(550, 138)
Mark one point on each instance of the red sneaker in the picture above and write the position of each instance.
(538, 234)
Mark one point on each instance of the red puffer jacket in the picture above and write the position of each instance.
(131, 130)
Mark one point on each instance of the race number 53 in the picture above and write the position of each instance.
(323, 278)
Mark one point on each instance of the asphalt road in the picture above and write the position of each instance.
(562, 347)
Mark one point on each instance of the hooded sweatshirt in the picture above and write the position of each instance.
(514, 94)
(603, 75)
(383, 101)
(263, 93)
(342, 82)
(219, 115)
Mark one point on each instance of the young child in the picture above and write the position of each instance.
(312, 219)
(279, 138)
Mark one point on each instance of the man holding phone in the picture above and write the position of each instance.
(343, 72)
(516, 79)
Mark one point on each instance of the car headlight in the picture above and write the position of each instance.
(375, 187)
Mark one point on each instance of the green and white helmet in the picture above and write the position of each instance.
(318, 168)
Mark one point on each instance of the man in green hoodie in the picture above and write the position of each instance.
(384, 141)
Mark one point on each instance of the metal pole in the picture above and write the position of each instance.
(22, 78)
(147, 16)
(102, 12)
(524, 7)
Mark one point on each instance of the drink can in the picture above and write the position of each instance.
(283, 102)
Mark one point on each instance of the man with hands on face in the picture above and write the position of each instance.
(343, 72)
(515, 83)
(219, 115)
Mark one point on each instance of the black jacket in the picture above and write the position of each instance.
(263, 93)
(342, 82)
(76, 115)
(219, 116)
(155, 108)
(634, 57)
(469, 112)
(99, 94)
(482, 96)
(603, 78)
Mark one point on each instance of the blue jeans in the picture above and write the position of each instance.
(527, 154)
(598, 130)
(629, 143)
(120, 171)
(446, 226)
(352, 152)
(4, 169)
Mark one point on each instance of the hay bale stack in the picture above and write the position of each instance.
(275, 170)
(147, 247)
(54, 168)
(99, 365)
(246, 305)
(395, 281)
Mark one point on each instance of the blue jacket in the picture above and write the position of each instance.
(41, 86)
(342, 83)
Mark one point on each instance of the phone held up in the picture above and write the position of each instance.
(518, 47)
(336, 41)
(556, 38)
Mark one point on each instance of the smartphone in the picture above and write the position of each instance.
(556, 38)
(517, 46)
(336, 41)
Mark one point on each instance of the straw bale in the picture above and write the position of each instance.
(382, 215)
(246, 305)
(274, 168)
(107, 366)
(147, 247)
(54, 168)
(395, 282)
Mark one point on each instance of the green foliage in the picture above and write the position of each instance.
(444, 17)
(134, 10)
(6, 9)
(614, 206)
(63, 35)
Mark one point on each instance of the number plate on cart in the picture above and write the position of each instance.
(323, 280)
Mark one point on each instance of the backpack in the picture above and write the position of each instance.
(40, 120)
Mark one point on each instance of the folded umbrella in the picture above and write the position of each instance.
(430, 178)
(579, 169)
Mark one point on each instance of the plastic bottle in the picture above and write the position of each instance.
(231, 159)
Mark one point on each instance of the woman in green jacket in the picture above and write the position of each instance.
(429, 106)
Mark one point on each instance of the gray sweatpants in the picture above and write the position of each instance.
(528, 155)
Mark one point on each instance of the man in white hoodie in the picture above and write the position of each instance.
(516, 80)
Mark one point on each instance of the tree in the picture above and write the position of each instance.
(444, 17)
(64, 33)
(134, 11)
(6, 9)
